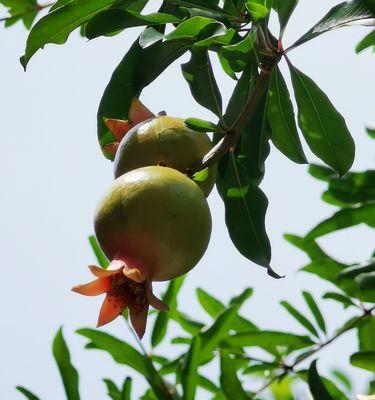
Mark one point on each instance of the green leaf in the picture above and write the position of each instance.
(352, 279)
(57, 25)
(196, 29)
(214, 333)
(102, 259)
(254, 145)
(112, 390)
(230, 384)
(300, 318)
(316, 385)
(282, 121)
(321, 172)
(364, 360)
(366, 333)
(352, 12)
(266, 339)
(20, 10)
(68, 373)
(353, 188)
(209, 5)
(161, 322)
(120, 351)
(126, 389)
(245, 209)
(207, 385)
(284, 9)
(188, 324)
(256, 10)
(242, 297)
(366, 42)
(27, 393)
(113, 20)
(199, 75)
(344, 300)
(314, 308)
(210, 304)
(125, 354)
(137, 69)
(343, 379)
(189, 372)
(327, 269)
(201, 176)
(371, 132)
(322, 125)
(351, 216)
(241, 54)
(310, 247)
(201, 125)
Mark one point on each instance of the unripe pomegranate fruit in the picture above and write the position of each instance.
(154, 224)
(166, 141)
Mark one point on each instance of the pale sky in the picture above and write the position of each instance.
(54, 174)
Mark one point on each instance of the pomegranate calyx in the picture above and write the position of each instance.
(138, 113)
(125, 287)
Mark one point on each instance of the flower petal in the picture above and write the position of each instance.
(138, 318)
(153, 300)
(139, 112)
(103, 273)
(118, 127)
(112, 307)
(94, 288)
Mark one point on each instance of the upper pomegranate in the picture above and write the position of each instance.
(154, 224)
(165, 141)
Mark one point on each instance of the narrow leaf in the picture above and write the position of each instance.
(68, 373)
(364, 360)
(101, 258)
(27, 393)
(229, 381)
(161, 322)
(189, 372)
(300, 318)
(351, 216)
(57, 25)
(343, 379)
(351, 12)
(322, 125)
(314, 308)
(113, 20)
(199, 74)
(316, 385)
(214, 333)
(366, 42)
(126, 389)
(284, 9)
(201, 125)
(137, 69)
(266, 339)
(340, 298)
(282, 121)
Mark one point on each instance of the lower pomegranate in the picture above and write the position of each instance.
(154, 224)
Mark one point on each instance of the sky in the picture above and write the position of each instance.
(53, 174)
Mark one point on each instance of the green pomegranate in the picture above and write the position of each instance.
(154, 224)
(165, 141)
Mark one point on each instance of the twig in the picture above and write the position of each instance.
(169, 392)
(352, 325)
(232, 134)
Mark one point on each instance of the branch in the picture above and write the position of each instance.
(290, 368)
(233, 133)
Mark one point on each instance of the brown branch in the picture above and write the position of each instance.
(290, 368)
(233, 133)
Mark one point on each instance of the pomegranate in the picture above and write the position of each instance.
(163, 140)
(154, 224)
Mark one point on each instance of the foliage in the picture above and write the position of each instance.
(260, 113)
